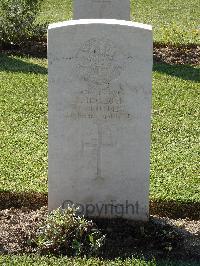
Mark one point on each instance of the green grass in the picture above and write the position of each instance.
(50, 261)
(175, 133)
(23, 124)
(55, 10)
(175, 129)
(174, 21)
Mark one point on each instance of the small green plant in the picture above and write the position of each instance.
(65, 233)
(18, 21)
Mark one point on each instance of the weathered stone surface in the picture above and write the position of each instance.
(94, 9)
(99, 116)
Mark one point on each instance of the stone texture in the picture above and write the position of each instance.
(99, 116)
(94, 9)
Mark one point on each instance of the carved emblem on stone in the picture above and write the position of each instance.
(99, 61)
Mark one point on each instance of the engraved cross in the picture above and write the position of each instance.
(98, 148)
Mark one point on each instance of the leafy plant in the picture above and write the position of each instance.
(68, 234)
(18, 21)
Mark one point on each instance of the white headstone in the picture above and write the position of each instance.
(99, 117)
(94, 9)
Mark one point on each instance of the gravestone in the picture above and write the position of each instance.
(93, 9)
(99, 117)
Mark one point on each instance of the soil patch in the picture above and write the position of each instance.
(163, 53)
(184, 54)
(160, 237)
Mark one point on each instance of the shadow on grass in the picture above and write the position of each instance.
(11, 64)
(185, 72)
(175, 209)
(34, 200)
(31, 200)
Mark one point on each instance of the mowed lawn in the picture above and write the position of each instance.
(174, 21)
(175, 128)
(35, 260)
